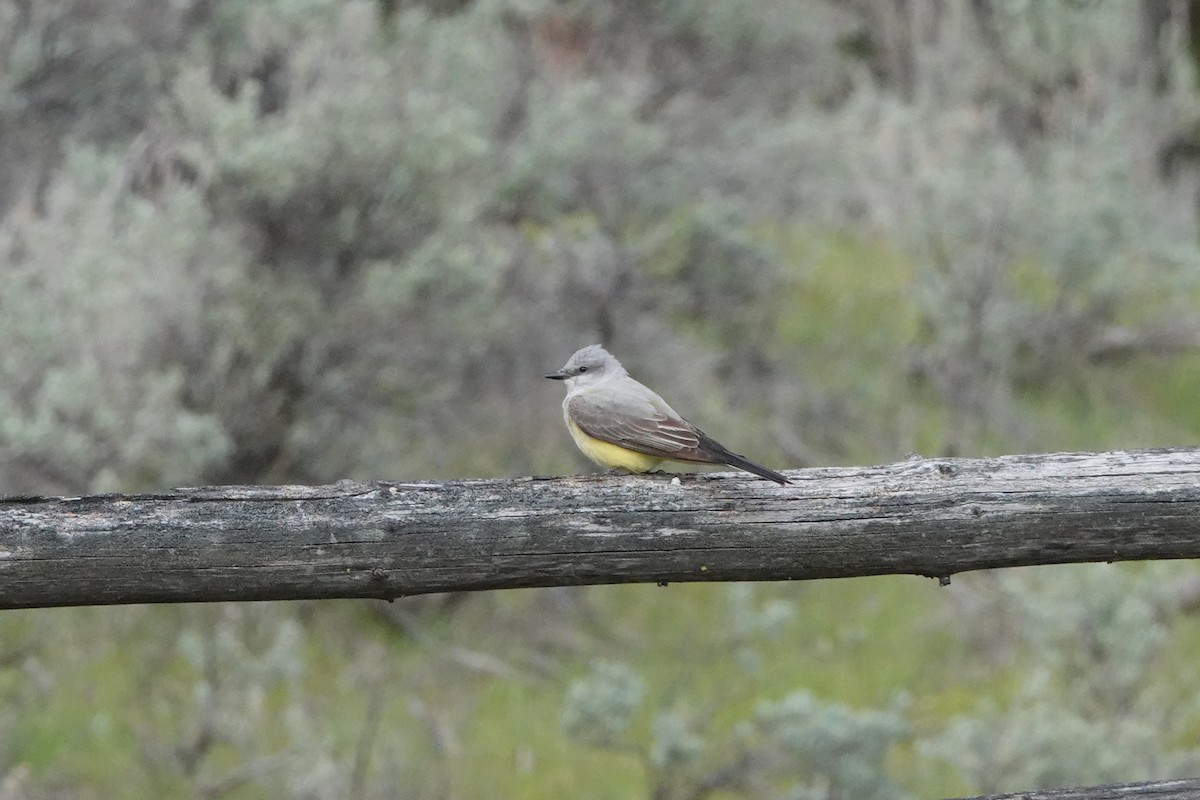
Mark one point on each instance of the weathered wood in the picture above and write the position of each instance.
(926, 517)
(1187, 789)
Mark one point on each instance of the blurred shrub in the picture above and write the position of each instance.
(797, 747)
(839, 752)
(90, 399)
(299, 240)
(1092, 643)
(599, 708)
(419, 214)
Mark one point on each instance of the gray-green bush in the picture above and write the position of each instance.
(302, 240)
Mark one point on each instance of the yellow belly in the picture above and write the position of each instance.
(610, 455)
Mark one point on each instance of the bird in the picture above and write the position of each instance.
(619, 423)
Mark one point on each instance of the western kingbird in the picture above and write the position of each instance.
(618, 422)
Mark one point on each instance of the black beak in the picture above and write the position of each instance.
(556, 376)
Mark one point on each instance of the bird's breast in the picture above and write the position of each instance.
(609, 455)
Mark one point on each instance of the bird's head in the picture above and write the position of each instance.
(591, 364)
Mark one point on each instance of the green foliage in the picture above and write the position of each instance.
(796, 747)
(840, 751)
(674, 745)
(90, 399)
(299, 240)
(1093, 706)
(600, 707)
(584, 145)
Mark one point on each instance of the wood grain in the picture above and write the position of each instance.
(932, 517)
(1187, 789)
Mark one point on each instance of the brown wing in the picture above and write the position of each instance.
(633, 422)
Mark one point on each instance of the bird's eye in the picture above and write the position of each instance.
(583, 369)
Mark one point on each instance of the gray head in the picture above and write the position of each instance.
(587, 366)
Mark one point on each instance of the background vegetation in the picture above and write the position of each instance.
(304, 240)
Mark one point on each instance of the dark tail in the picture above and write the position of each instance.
(723, 456)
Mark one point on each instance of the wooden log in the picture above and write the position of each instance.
(1186, 789)
(932, 517)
